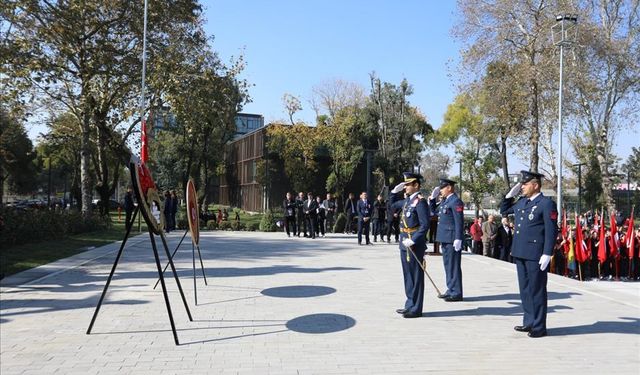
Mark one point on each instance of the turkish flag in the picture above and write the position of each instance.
(602, 247)
(630, 237)
(614, 240)
(581, 247)
(144, 151)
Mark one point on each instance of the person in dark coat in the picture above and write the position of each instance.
(503, 241)
(351, 211)
(301, 220)
(174, 209)
(311, 214)
(322, 218)
(168, 206)
(536, 231)
(364, 211)
(290, 208)
(128, 207)
(379, 218)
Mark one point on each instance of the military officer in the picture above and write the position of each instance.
(414, 223)
(364, 211)
(450, 234)
(535, 234)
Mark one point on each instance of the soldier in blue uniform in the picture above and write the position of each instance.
(535, 234)
(364, 210)
(450, 234)
(414, 223)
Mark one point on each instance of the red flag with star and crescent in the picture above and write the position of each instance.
(614, 240)
(630, 237)
(144, 151)
(602, 247)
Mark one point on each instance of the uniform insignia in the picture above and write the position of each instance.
(554, 215)
(530, 216)
(459, 208)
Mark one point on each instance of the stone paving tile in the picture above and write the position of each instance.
(296, 306)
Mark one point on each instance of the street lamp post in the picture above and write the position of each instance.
(579, 165)
(563, 32)
(460, 178)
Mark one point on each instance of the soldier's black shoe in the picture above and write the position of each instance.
(409, 315)
(443, 296)
(401, 311)
(537, 334)
(522, 328)
(453, 299)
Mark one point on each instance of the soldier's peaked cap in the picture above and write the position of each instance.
(526, 176)
(411, 177)
(446, 182)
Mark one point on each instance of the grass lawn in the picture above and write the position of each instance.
(22, 257)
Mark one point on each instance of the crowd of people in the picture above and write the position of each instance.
(598, 252)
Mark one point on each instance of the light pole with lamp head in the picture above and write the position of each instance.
(563, 33)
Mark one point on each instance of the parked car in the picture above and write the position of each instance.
(113, 204)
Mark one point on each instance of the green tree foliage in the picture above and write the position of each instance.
(343, 139)
(396, 129)
(466, 128)
(17, 169)
(297, 146)
(85, 57)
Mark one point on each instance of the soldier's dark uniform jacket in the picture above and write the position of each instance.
(535, 227)
(450, 214)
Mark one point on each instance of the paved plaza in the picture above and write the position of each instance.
(299, 306)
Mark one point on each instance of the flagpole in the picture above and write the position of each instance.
(580, 270)
(144, 66)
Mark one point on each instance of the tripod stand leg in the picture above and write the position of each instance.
(175, 276)
(202, 265)
(172, 255)
(113, 270)
(164, 287)
(195, 287)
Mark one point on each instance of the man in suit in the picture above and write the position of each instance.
(290, 209)
(311, 214)
(364, 211)
(503, 241)
(330, 210)
(489, 234)
(379, 217)
(535, 234)
(350, 211)
(393, 220)
(128, 206)
(414, 223)
(450, 235)
(321, 218)
(300, 217)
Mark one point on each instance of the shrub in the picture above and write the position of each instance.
(268, 222)
(32, 225)
(182, 223)
(252, 227)
(237, 225)
(212, 225)
(225, 225)
(341, 221)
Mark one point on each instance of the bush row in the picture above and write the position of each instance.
(18, 226)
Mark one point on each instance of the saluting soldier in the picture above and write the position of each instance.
(290, 208)
(450, 233)
(535, 234)
(414, 223)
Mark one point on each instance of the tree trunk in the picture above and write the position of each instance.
(535, 126)
(85, 159)
(503, 160)
(601, 154)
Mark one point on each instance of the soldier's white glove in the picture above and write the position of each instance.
(407, 242)
(457, 245)
(515, 190)
(435, 193)
(544, 261)
(398, 188)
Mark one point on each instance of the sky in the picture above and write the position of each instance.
(291, 46)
